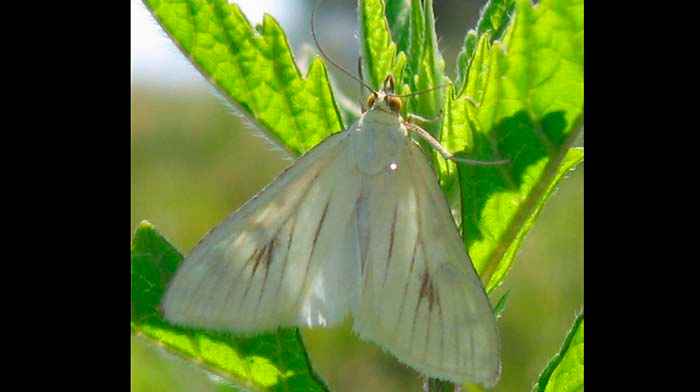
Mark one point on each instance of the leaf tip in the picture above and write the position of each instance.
(145, 225)
(317, 66)
(143, 229)
(269, 22)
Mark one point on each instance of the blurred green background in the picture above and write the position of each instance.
(195, 161)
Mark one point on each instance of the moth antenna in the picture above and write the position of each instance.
(362, 87)
(323, 53)
(423, 91)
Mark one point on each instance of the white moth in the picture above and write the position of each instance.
(357, 225)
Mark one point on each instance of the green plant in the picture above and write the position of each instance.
(564, 372)
(517, 94)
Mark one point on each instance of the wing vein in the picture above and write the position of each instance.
(199, 287)
(258, 258)
(267, 264)
(291, 235)
(233, 286)
(427, 334)
(320, 225)
(286, 258)
(391, 244)
(405, 290)
(358, 231)
(305, 284)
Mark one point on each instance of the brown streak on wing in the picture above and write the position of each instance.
(266, 264)
(427, 290)
(413, 326)
(302, 293)
(365, 262)
(320, 224)
(258, 259)
(286, 256)
(363, 250)
(405, 290)
(425, 286)
(424, 278)
(233, 285)
(291, 233)
(391, 244)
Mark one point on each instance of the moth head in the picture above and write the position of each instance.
(386, 97)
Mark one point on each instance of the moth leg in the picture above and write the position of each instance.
(423, 121)
(446, 154)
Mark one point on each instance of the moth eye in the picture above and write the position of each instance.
(394, 103)
(370, 100)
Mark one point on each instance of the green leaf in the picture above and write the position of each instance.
(430, 73)
(254, 69)
(414, 42)
(564, 373)
(501, 305)
(518, 96)
(523, 101)
(492, 20)
(494, 17)
(376, 45)
(398, 14)
(266, 362)
(425, 66)
(573, 157)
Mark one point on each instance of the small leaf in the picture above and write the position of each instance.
(480, 66)
(376, 45)
(456, 127)
(501, 305)
(398, 15)
(522, 101)
(266, 362)
(430, 73)
(564, 373)
(493, 19)
(254, 69)
(415, 41)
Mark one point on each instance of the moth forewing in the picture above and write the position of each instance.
(422, 299)
(332, 273)
(359, 224)
(247, 273)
